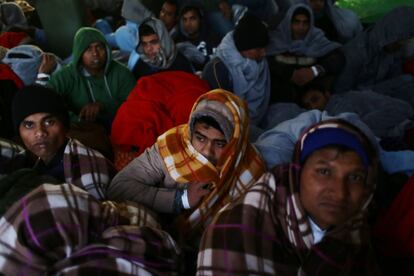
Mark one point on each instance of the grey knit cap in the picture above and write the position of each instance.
(216, 110)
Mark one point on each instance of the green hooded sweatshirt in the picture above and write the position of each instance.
(79, 88)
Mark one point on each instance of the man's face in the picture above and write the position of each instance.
(94, 58)
(168, 15)
(317, 5)
(300, 26)
(256, 54)
(191, 23)
(315, 99)
(333, 186)
(43, 134)
(208, 141)
(151, 45)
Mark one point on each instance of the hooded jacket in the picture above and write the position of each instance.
(79, 88)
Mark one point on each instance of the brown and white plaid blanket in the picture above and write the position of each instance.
(87, 169)
(12, 157)
(83, 166)
(239, 167)
(267, 232)
(61, 229)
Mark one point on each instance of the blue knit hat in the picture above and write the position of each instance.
(331, 136)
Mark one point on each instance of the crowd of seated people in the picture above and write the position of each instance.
(199, 137)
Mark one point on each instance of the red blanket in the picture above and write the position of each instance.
(395, 228)
(6, 73)
(11, 39)
(157, 103)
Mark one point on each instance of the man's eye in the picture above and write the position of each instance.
(49, 122)
(221, 144)
(357, 177)
(323, 171)
(200, 138)
(27, 125)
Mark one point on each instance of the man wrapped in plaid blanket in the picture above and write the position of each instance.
(304, 218)
(42, 121)
(195, 168)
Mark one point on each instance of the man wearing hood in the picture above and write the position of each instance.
(157, 51)
(195, 40)
(299, 52)
(93, 85)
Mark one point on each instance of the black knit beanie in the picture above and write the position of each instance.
(250, 33)
(38, 99)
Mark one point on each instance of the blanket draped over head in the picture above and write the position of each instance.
(61, 229)
(315, 44)
(237, 169)
(267, 231)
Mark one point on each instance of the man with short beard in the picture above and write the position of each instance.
(41, 119)
(195, 168)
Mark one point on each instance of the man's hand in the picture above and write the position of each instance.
(90, 111)
(302, 76)
(225, 9)
(48, 63)
(196, 192)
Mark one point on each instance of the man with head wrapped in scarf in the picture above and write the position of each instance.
(195, 168)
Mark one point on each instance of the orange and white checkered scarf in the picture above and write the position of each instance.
(238, 168)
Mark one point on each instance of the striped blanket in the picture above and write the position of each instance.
(61, 229)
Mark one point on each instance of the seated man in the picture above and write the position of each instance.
(199, 166)
(374, 58)
(240, 66)
(306, 217)
(298, 52)
(169, 16)
(385, 116)
(157, 51)
(195, 40)
(92, 85)
(42, 121)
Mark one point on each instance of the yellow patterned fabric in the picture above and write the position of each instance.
(237, 169)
